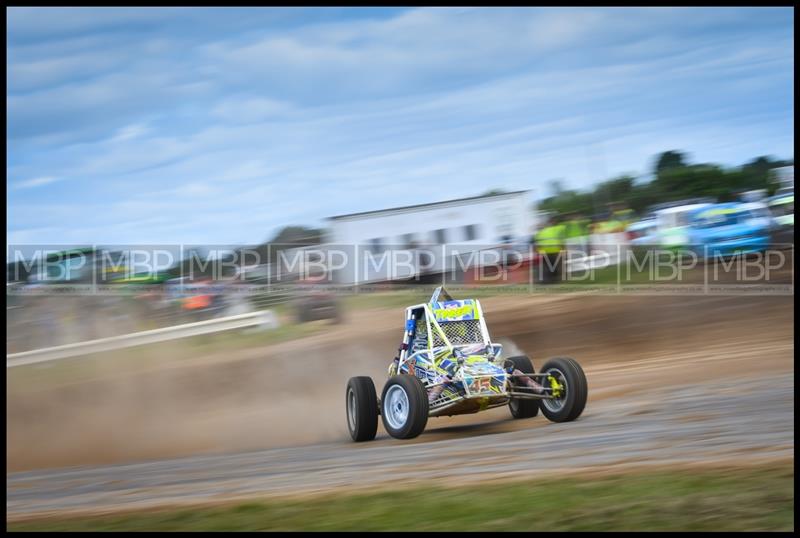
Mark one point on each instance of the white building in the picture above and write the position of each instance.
(402, 242)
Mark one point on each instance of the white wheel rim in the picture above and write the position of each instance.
(555, 405)
(351, 409)
(395, 407)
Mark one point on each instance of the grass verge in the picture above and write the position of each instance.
(732, 499)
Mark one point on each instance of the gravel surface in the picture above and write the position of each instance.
(738, 419)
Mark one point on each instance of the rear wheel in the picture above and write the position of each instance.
(404, 406)
(522, 408)
(566, 378)
(362, 409)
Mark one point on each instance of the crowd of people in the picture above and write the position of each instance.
(573, 232)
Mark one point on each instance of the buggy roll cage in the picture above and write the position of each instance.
(424, 312)
(438, 351)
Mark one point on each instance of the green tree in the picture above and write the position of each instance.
(614, 190)
(669, 160)
(759, 172)
(675, 179)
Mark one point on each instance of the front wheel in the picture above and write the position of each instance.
(569, 388)
(362, 409)
(404, 406)
(521, 407)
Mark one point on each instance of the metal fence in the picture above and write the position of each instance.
(262, 318)
(40, 321)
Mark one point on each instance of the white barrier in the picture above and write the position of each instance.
(264, 318)
(596, 251)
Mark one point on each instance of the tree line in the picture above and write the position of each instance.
(673, 179)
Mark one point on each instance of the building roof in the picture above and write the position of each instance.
(444, 203)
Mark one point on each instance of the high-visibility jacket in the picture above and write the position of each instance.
(624, 217)
(576, 228)
(611, 226)
(550, 240)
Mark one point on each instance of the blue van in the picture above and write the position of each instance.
(728, 229)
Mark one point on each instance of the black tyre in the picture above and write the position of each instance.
(521, 408)
(572, 400)
(404, 406)
(361, 403)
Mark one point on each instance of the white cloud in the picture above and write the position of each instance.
(36, 182)
(238, 134)
(136, 130)
(196, 188)
(245, 109)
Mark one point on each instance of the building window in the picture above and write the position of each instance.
(470, 232)
(408, 241)
(440, 236)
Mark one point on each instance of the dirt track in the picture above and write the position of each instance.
(635, 351)
(708, 423)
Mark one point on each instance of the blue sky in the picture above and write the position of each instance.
(222, 125)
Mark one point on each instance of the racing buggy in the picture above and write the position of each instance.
(448, 365)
